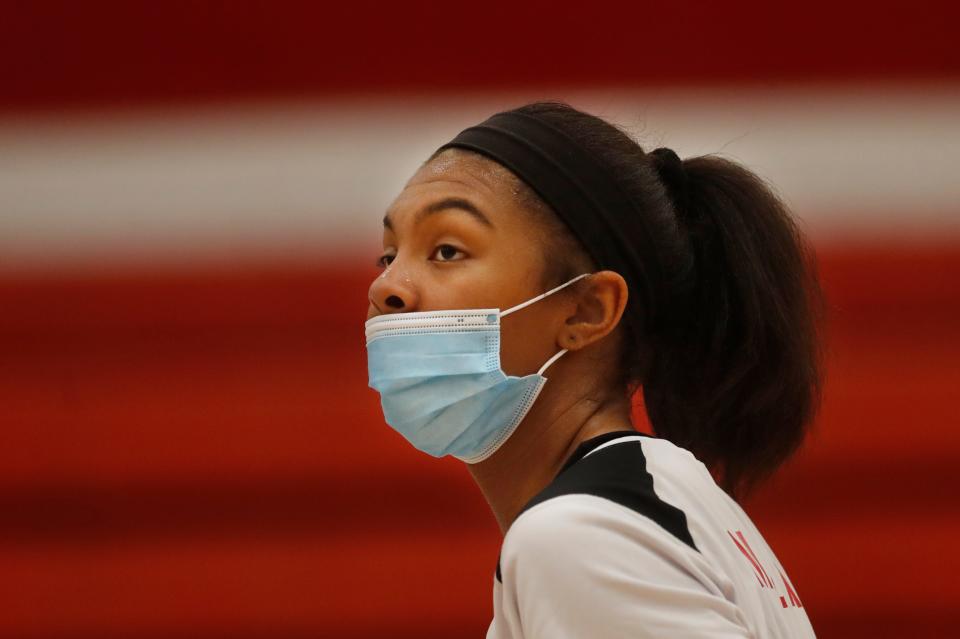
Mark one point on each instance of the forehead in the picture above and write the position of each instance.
(463, 174)
(473, 167)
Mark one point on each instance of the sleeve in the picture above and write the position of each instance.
(583, 566)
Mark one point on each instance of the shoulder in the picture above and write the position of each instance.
(606, 550)
(620, 473)
(580, 565)
(585, 530)
(603, 490)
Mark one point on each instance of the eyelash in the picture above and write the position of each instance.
(451, 259)
(382, 263)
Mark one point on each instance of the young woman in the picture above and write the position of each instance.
(545, 237)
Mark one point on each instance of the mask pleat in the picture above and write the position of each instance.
(500, 408)
(423, 393)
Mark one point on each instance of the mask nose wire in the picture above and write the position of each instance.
(541, 296)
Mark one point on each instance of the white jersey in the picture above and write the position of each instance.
(634, 538)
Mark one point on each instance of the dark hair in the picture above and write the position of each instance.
(731, 368)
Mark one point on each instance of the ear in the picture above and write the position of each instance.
(600, 302)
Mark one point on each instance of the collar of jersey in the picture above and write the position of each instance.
(587, 445)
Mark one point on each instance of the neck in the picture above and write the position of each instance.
(563, 416)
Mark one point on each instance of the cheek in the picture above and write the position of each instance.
(526, 342)
(474, 285)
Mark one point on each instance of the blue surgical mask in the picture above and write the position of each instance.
(440, 382)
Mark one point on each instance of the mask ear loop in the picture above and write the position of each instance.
(541, 296)
(530, 301)
(551, 360)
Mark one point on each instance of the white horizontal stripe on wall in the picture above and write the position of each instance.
(312, 180)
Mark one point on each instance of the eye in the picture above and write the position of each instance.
(384, 260)
(447, 252)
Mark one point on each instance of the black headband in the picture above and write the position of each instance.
(579, 188)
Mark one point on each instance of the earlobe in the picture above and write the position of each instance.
(599, 309)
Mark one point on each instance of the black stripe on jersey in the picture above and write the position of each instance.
(618, 473)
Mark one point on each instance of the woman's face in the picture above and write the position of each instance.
(457, 237)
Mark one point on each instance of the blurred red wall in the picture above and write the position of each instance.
(192, 451)
(198, 454)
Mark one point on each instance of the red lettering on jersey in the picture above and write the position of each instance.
(761, 574)
(794, 599)
(747, 551)
(757, 561)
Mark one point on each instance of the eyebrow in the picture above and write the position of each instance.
(444, 205)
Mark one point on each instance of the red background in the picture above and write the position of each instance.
(194, 452)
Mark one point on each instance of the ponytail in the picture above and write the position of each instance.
(736, 375)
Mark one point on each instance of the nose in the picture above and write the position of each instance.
(392, 292)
